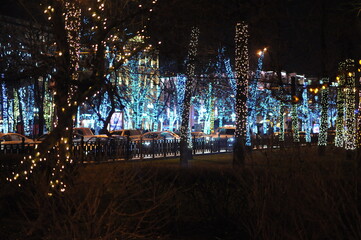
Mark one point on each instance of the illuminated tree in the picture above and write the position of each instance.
(137, 79)
(82, 33)
(24, 76)
(252, 96)
(241, 70)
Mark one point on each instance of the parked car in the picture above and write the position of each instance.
(154, 140)
(196, 135)
(224, 132)
(14, 138)
(41, 138)
(133, 134)
(160, 135)
(225, 135)
(87, 135)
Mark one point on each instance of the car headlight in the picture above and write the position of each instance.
(146, 143)
(230, 139)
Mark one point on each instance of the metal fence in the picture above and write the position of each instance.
(114, 150)
(145, 149)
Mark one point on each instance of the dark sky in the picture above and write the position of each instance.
(304, 36)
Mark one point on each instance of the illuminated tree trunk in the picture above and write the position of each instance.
(4, 109)
(281, 119)
(221, 112)
(209, 110)
(211, 118)
(295, 126)
(241, 67)
(21, 118)
(181, 85)
(306, 121)
(156, 109)
(322, 136)
(185, 142)
(350, 104)
(339, 138)
(172, 119)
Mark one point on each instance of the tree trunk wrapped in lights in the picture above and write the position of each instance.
(340, 131)
(185, 142)
(241, 69)
(209, 110)
(306, 120)
(322, 136)
(350, 104)
(180, 91)
(281, 119)
(295, 125)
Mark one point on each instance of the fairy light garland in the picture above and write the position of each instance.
(322, 136)
(241, 69)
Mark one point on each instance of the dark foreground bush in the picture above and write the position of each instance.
(293, 200)
(123, 205)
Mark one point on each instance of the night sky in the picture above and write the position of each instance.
(304, 36)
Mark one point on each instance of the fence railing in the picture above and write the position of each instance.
(121, 149)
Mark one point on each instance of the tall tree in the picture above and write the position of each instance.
(82, 34)
(185, 142)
